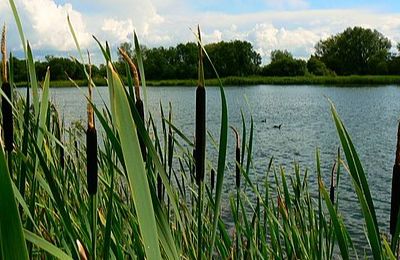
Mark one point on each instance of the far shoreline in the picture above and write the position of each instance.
(251, 81)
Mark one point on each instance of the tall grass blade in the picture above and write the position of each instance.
(221, 167)
(19, 25)
(136, 172)
(12, 240)
(33, 80)
(45, 245)
(360, 184)
(340, 235)
(139, 58)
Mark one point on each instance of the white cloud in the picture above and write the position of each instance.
(299, 41)
(288, 3)
(121, 30)
(167, 22)
(46, 24)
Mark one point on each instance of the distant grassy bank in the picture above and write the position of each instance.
(254, 80)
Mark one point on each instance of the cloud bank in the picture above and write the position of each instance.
(293, 25)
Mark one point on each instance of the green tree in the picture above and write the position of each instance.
(277, 55)
(234, 58)
(355, 51)
(316, 67)
(283, 64)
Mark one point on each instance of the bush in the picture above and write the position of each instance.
(285, 67)
(316, 67)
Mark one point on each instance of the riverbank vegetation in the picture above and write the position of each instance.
(152, 194)
(355, 52)
(354, 80)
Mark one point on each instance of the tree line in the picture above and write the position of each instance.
(355, 51)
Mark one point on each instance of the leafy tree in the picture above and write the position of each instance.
(316, 67)
(393, 65)
(355, 51)
(234, 58)
(283, 64)
(186, 60)
(277, 55)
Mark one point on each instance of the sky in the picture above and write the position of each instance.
(294, 25)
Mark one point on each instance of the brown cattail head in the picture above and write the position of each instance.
(91, 157)
(237, 162)
(200, 133)
(134, 71)
(6, 108)
(212, 179)
(333, 185)
(139, 104)
(62, 157)
(140, 109)
(91, 143)
(395, 200)
(159, 188)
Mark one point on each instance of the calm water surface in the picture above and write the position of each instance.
(370, 114)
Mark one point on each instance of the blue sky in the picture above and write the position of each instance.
(295, 25)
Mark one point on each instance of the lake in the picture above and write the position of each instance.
(370, 114)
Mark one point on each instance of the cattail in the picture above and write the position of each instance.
(200, 144)
(333, 185)
(237, 157)
(91, 143)
(62, 157)
(140, 109)
(200, 133)
(139, 103)
(193, 166)
(395, 201)
(212, 179)
(6, 108)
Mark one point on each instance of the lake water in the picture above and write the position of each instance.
(370, 114)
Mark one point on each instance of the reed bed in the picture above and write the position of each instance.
(141, 190)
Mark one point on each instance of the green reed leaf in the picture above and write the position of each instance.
(45, 245)
(12, 240)
(136, 173)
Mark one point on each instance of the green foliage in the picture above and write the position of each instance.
(316, 67)
(355, 51)
(60, 68)
(277, 55)
(283, 64)
(235, 58)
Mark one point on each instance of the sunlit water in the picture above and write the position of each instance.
(370, 114)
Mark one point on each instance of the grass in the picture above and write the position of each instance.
(153, 207)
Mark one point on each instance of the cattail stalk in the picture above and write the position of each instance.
(237, 177)
(333, 184)
(139, 103)
(237, 157)
(200, 142)
(212, 179)
(91, 144)
(92, 167)
(6, 108)
(395, 200)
